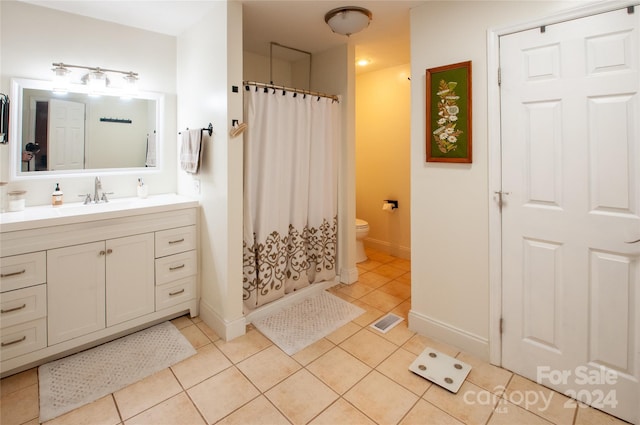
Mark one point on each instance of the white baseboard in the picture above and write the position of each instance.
(443, 332)
(349, 276)
(225, 330)
(389, 248)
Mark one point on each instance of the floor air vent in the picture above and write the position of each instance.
(386, 323)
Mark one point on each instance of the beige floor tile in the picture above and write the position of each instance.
(486, 375)
(182, 322)
(549, 404)
(401, 263)
(195, 336)
(590, 416)
(210, 333)
(344, 296)
(343, 332)
(471, 405)
(178, 410)
(388, 270)
(355, 290)
(382, 301)
(507, 413)
(379, 256)
(373, 279)
(424, 413)
(143, 394)
(19, 406)
(339, 370)
(301, 397)
(398, 334)
(403, 309)
(405, 278)
(396, 367)
(196, 320)
(18, 381)
(381, 399)
(418, 343)
(259, 411)
(268, 367)
(370, 315)
(368, 347)
(343, 413)
(313, 351)
(221, 394)
(244, 346)
(101, 412)
(397, 288)
(208, 361)
(369, 264)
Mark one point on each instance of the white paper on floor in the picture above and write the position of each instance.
(441, 369)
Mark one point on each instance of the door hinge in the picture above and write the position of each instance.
(631, 10)
(501, 324)
(499, 76)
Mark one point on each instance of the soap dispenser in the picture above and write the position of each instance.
(143, 190)
(56, 198)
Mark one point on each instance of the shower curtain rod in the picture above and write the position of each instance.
(291, 89)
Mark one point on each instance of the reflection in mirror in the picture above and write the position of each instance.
(61, 133)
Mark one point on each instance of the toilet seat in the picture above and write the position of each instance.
(361, 224)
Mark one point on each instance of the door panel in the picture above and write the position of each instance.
(570, 116)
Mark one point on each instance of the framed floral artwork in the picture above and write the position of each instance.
(449, 113)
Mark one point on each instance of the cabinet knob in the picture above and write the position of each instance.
(101, 253)
(109, 251)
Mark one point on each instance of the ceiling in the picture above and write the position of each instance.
(294, 23)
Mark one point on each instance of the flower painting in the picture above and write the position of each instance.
(449, 113)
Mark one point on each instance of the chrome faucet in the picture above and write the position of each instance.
(97, 187)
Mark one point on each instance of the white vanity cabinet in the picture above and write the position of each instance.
(69, 284)
(99, 284)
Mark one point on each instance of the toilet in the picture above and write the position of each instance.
(362, 230)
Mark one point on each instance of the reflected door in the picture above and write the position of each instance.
(66, 135)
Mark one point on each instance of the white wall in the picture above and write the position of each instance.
(205, 96)
(383, 133)
(33, 37)
(450, 202)
(259, 68)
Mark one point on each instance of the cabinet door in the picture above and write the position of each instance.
(130, 278)
(75, 291)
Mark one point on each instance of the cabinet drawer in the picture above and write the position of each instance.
(23, 305)
(23, 338)
(20, 271)
(176, 267)
(174, 241)
(175, 292)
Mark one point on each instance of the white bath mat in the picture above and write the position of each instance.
(441, 369)
(74, 381)
(300, 325)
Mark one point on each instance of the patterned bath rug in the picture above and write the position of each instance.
(300, 325)
(82, 378)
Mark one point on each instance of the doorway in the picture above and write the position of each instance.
(570, 211)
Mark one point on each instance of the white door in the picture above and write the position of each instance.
(75, 291)
(66, 135)
(570, 113)
(130, 278)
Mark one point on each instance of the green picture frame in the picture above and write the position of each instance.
(448, 132)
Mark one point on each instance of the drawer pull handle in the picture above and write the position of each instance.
(13, 309)
(14, 273)
(181, 266)
(4, 344)
(171, 294)
(176, 241)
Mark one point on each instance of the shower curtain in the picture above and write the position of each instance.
(290, 192)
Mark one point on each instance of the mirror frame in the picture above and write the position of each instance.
(15, 132)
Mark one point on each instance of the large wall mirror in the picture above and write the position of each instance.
(55, 133)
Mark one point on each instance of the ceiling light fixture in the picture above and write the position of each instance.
(96, 79)
(348, 20)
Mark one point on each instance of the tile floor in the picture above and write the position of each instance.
(353, 376)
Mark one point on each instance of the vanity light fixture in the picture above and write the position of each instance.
(96, 79)
(348, 20)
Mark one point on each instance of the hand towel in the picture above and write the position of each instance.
(190, 150)
(151, 150)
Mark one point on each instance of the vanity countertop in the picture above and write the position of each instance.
(77, 212)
